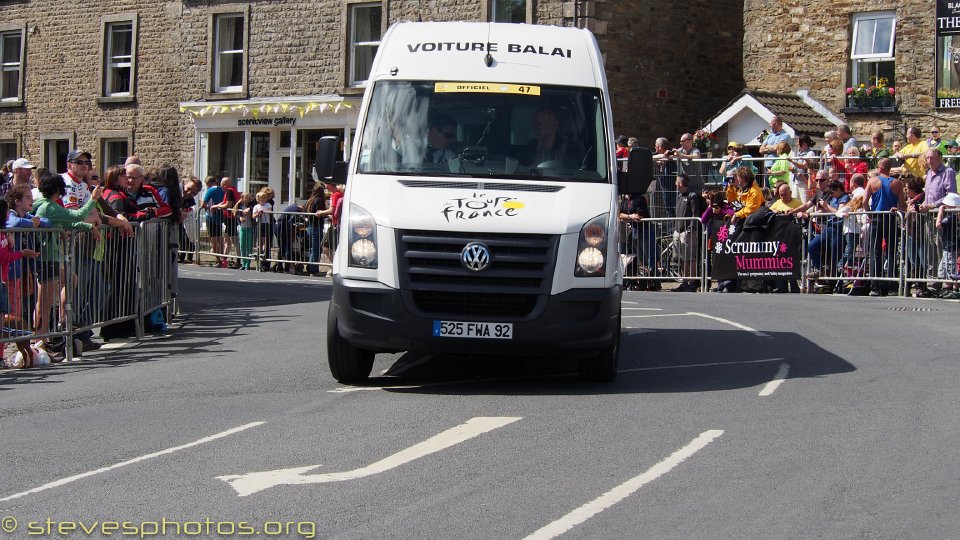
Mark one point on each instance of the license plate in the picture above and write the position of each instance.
(464, 329)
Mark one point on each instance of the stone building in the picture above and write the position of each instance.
(826, 48)
(246, 88)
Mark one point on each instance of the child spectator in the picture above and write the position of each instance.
(7, 256)
(22, 280)
(244, 212)
(261, 213)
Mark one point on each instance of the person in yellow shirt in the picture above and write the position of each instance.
(785, 200)
(912, 153)
(744, 194)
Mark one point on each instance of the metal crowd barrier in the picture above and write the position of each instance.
(861, 250)
(78, 284)
(282, 241)
(659, 250)
(935, 257)
(885, 251)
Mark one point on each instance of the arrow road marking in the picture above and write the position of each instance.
(250, 483)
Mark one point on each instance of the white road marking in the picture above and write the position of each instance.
(58, 483)
(624, 490)
(778, 379)
(117, 345)
(731, 323)
(247, 484)
(663, 315)
(711, 364)
(348, 389)
(705, 316)
(642, 309)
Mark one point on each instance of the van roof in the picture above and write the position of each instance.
(455, 51)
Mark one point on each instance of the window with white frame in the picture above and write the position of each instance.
(55, 154)
(508, 11)
(118, 59)
(228, 52)
(8, 150)
(872, 48)
(364, 39)
(114, 152)
(11, 52)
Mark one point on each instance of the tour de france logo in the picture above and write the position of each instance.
(479, 206)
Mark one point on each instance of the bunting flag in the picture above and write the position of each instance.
(300, 109)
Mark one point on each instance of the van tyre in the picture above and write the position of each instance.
(602, 367)
(348, 364)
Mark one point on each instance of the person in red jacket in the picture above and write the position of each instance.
(147, 200)
(852, 166)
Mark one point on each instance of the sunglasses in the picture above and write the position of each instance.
(87, 162)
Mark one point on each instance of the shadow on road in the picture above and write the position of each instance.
(651, 361)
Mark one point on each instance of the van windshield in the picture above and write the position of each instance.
(440, 128)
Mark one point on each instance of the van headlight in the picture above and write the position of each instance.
(592, 247)
(362, 238)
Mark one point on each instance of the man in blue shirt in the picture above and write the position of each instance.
(769, 147)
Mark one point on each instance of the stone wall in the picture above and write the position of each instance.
(806, 45)
(671, 66)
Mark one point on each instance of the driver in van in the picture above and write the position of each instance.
(441, 135)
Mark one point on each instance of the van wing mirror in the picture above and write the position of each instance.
(327, 167)
(640, 167)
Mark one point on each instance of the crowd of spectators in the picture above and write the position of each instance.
(32, 265)
(907, 186)
(249, 227)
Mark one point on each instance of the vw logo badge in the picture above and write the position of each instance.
(475, 256)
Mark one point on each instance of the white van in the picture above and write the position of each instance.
(480, 213)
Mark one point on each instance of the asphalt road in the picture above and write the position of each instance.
(734, 416)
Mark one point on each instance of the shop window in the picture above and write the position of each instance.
(119, 56)
(225, 154)
(872, 49)
(259, 162)
(229, 52)
(309, 140)
(508, 11)
(11, 53)
(366, 22)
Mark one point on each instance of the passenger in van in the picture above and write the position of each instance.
(441, 134)
(548, 145)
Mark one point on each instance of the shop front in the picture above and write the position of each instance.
(269, 142)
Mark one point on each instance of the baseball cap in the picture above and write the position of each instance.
(950, 143)
(733, 144)
(76, 153)
(23, 163)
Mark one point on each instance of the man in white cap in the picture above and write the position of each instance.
(22, 170)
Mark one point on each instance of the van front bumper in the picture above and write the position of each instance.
(378, 318)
